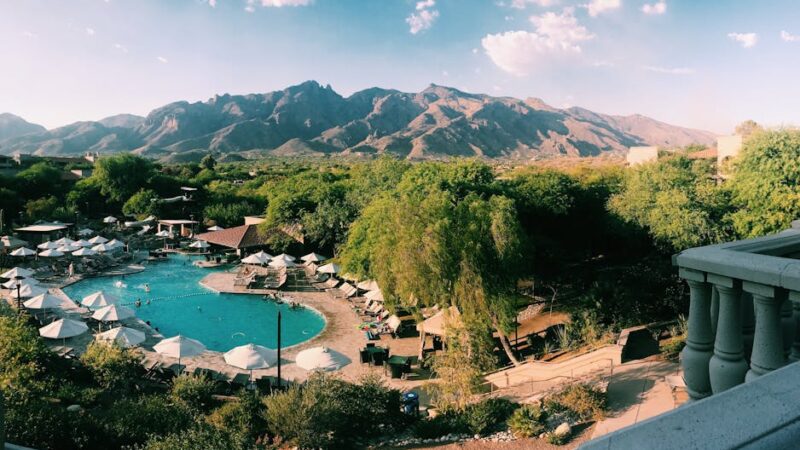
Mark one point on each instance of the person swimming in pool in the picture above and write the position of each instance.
(147, 302)
(146, 287)
(138, 303)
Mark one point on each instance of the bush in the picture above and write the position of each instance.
(671, 349)
(528, 421)
(486, 415)
(243, 418)
(113, 368)
(557, 439)
(198, 438)
(132, 421)
(580, 401)
(196, 392)
(440, 425)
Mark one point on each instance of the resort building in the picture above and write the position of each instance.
(42, 232)
(243, 238)
(641, 155)
(177, 227)
(743, 336)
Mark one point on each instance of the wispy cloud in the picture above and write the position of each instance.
(423, 18)
(655, 9)
(212, 3)
(747, 40)
(597, 7)
(670, 70)
(522, 4)
(282, 3)
(90, 31)
(121, 48)
(30, 34)
(521, 52)
(789, 37)
(162, 60)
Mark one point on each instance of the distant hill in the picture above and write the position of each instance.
(12, 126)
(310, 119)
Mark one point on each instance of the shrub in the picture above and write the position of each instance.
(131, 421)
(440, 425)
(486, 415)
(579, 400)
(198, 438)
(243, 418)
(528, 421)
(113, 368)
(196, 392)
(557, 439)
(671, 349)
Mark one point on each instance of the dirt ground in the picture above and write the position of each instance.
(581, 436)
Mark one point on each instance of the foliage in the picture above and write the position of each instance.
(582, 401)
(528, 421)
(328, 412)
(557, 439)
(23, 355)
(243, 418)
(443, 424)
(196, 438)
(41, 208)
(488, 415)
(120, 176)
(113, 367)
(765, 187)
(229, 214)
(142, 204)
(131, 421)
(39, 180)
(208, 162)
(194, 391)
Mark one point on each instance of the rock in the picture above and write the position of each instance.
(477, 436)
(74, 408)
(543, 435)
(563, 430)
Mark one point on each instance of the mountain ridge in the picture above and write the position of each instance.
(309, 118)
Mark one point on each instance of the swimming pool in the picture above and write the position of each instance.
(180, 305)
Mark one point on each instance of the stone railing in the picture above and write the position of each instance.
(744, 310)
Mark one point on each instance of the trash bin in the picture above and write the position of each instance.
(411, 403)
(396, 370)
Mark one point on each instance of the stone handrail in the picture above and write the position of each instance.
(743, 313)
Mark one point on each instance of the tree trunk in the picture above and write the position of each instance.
(505, 344)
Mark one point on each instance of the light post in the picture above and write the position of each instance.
(279, 348)
(19, 279)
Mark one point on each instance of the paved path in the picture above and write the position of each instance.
(637, 391)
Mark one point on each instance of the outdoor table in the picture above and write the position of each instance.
(371, 351)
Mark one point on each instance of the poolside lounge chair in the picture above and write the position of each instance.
(330, 283)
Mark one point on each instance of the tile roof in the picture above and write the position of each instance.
(243, 236)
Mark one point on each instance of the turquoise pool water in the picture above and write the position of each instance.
(180, 305)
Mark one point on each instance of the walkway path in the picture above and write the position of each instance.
(637, 391)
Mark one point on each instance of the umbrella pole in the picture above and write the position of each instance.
(279, 348)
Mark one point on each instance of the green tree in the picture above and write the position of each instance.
(39, 180)
(142, 204)
(196, 392)
(42, 208)
(114, 368)
(208, 162)
(121, 176)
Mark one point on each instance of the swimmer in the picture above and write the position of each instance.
(147, 287)
(147, 302)
(199, 309)
(138, 303)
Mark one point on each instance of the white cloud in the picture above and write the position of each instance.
(670, 70)
(212, 3)
(282, 3)
(474, 51)
(423, 18)
(747, 40)
(522, 4)
(597, 7)
(445, 73)
(162, 60)
(655, 8)
(521, 52)
(121, 48)
(789, 37)
(30, 34)
(90, 31)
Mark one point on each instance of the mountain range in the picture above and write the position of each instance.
(311, 119)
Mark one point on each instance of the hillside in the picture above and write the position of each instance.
(310, 119)
(12, 126)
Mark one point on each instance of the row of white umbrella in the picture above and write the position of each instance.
(54, 249)
(282, 260)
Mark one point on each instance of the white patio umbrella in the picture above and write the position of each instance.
(51, 253)
(254, 259)
(12, 283)
(285, 257)
(321, 358)
(43, 301)
(84, 252)
(376, 295)
(82, 243)
(115, 243)
(277, 262)
(63, 329)
(12, 242)
(329, 268)
(99, 299)
(85, 232)
(98, 240)
(179, 347)
(113, 313)
(368, 285)
(264, 255)
(199, 244)
(123, 336)
(109, 219)
(48, 245)
(27, 291)
(68, 248)
(23, 251)
(17, 272)
(250, 357)
(313, 257)
(65, 241)
(102, 248)
(215, 228)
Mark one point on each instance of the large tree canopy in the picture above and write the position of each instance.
(121, 176)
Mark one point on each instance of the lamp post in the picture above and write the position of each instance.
(19, 279)
(279, 348)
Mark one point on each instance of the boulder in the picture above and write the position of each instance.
(563, 430)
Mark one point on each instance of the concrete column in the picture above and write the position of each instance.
(727, 367)
(768, 339)
(714, 308)
(787, 325)
(700, 338)
(748, 324)
(794, 355)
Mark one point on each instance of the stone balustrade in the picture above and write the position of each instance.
(744, 310)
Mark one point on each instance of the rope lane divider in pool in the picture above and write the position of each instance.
(169, 297)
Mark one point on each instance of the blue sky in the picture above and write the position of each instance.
(705, 64)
